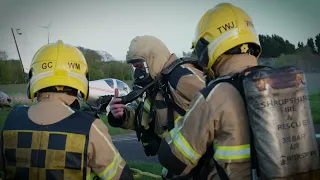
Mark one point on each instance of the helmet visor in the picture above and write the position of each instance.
(201, 51)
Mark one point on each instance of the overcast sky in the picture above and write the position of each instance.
(110, 25)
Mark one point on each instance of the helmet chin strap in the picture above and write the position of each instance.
(75, 104)
(210, 75)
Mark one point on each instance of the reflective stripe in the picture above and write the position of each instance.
(232, 152)
(179, 141)
(147, 105)
(111, 170)
(179, 121)
(164, 133)
(39, 76)
(185, 117)
(111, 146)
(175, 123)
(78, 76)
(234, 32)
(184, 147)
(42, 75)
(91, 176)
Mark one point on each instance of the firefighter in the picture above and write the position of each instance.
(226, 42)
(149, 56)
(53, 139)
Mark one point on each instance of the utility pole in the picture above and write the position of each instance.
(15, 41)
(14, 37)
(47, 28)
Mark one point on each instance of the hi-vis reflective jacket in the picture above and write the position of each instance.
(51, 141)
(215, 119)
(185, 81)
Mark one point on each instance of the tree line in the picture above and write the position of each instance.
(274, 46)
(103, 65)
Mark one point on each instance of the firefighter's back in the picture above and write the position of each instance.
(46, 141)
(53, 139)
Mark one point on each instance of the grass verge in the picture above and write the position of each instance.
(146, 167)
(112, 130)
(315, 107)
(14, 88)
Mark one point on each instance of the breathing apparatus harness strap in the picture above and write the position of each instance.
(137, 120)
(165, 88)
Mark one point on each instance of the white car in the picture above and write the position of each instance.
(5, 100)
(105, 87)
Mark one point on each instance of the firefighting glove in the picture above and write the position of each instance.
(117, 122)
(151, 143)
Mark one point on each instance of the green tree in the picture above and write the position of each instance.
(189, 54)
(3, 55)
(11, 72)
(300, 45)
(317, 42)
(274, 45)
(103, 65)
(106, 56)
(289, 48)
(310, 44)
(265, 42)
(186, 54)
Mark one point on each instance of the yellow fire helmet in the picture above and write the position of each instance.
(225, 29)
(196, 35)
(58, 66)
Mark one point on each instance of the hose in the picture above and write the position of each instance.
(138, 173)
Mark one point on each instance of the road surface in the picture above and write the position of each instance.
(131, 149)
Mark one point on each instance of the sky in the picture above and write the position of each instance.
(110, 25)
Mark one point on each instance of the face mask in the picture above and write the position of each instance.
(141, 77)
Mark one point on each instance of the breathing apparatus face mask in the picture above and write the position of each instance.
(142, 80)
(140, 73)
